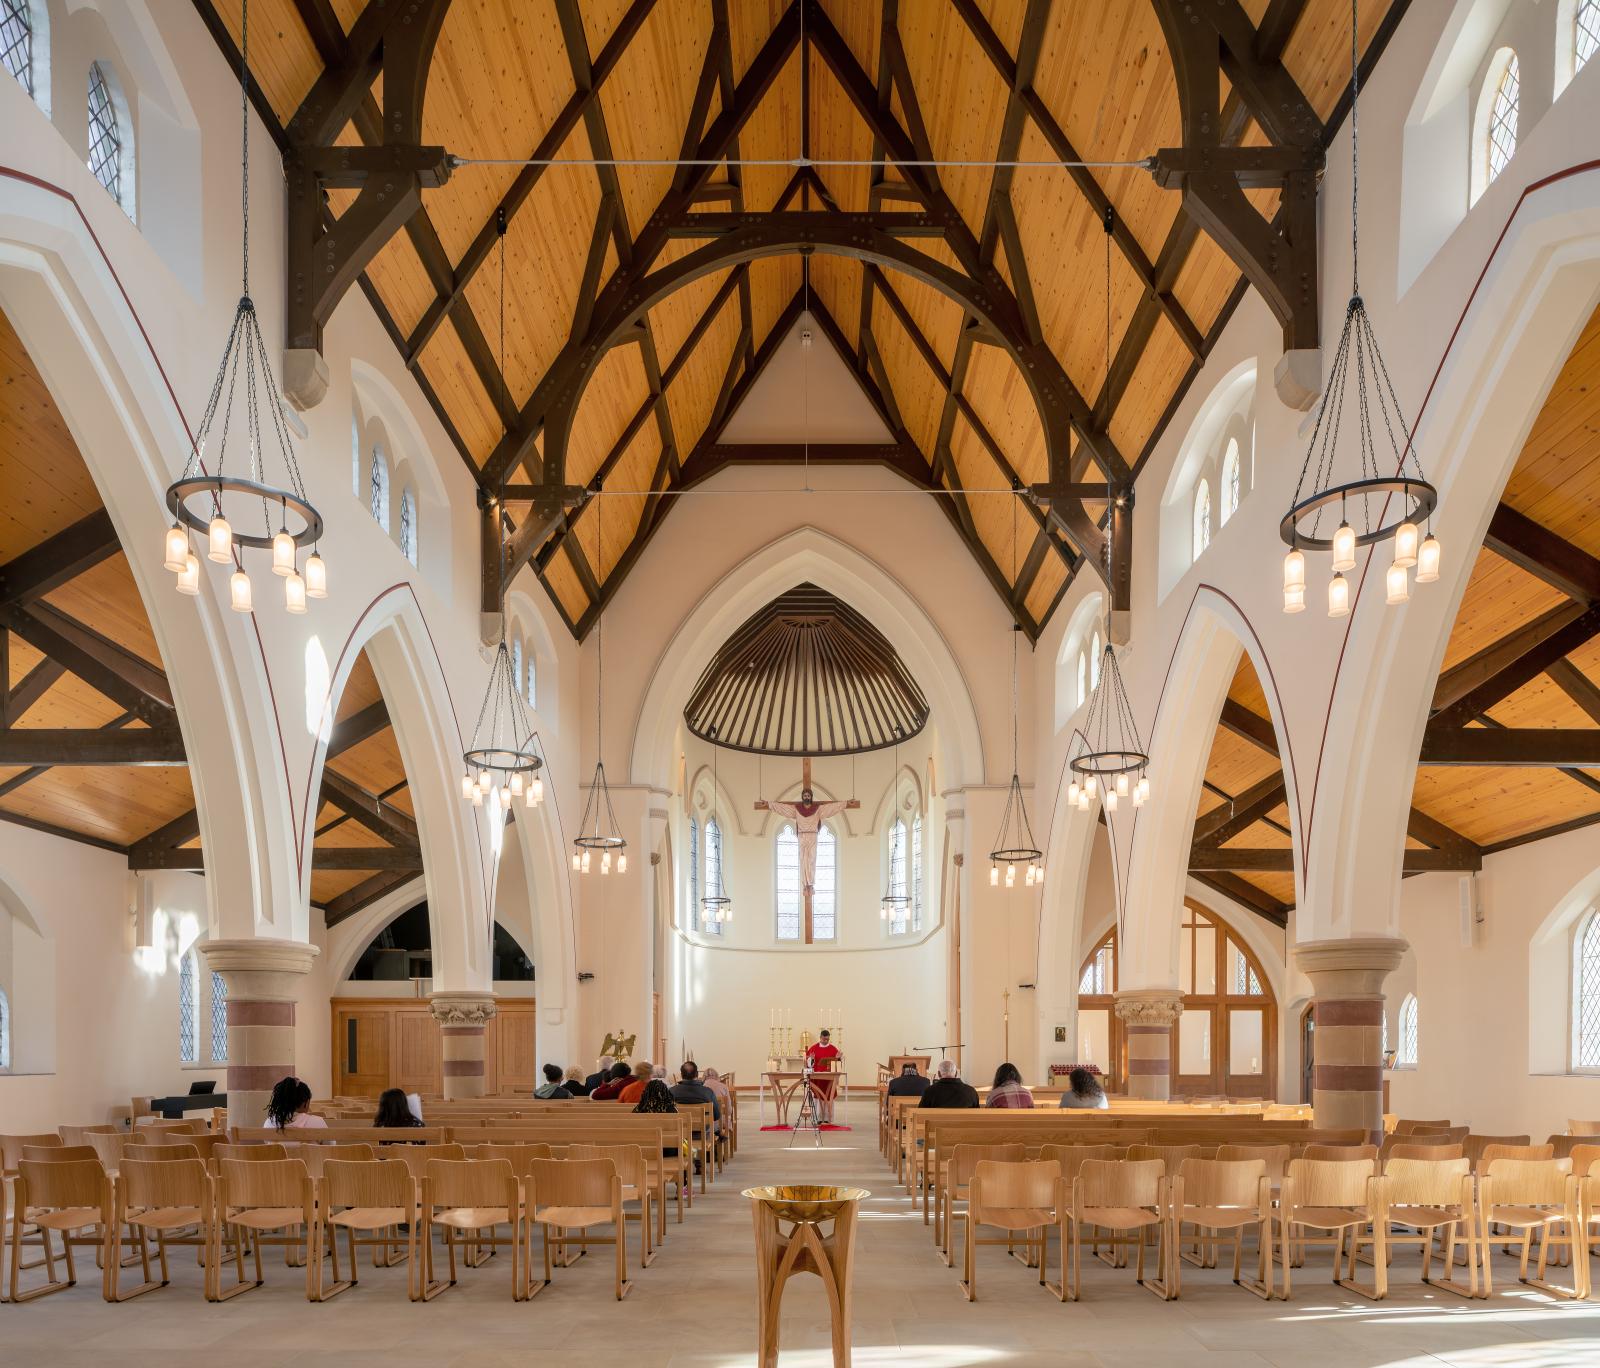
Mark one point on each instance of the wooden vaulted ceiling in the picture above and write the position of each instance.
(89, 740)
(978, 80)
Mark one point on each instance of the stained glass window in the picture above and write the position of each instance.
(408, 526)
(899, 918)
(378, 488)
(188, 1012)
(1408, 1030)
(1586, 996)
(1503, 118)
(219, 1019)
(16, 41)
(1585, 33)
(105, 134)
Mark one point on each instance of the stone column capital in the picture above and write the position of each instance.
(260, 968)
(1352, 967)
(462, 1008)
(1148, 1006)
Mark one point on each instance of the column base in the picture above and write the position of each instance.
(1347, 979)
(263, 978)
(462, 1017)
(1147, 1015)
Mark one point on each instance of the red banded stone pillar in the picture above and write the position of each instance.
(264, 980)
(462, 1017)
(1347, 999)
(1147, 1016)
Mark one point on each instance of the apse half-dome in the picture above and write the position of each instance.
(806, 675)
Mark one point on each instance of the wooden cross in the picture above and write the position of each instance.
(808, 821)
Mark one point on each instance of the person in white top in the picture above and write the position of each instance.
(289, 1107)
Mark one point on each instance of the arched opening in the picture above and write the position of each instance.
(1227, 1035)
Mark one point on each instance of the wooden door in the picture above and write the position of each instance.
(419, 1053)
(361, 1051)
(510, 1049)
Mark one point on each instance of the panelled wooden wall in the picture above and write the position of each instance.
(383, 1043)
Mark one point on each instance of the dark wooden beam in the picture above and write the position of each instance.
(1552, 747)
(48, 746)
(179, 831)
(1578, 687)
(1238, 814)
(1239, 859)
(1541, 552)
(123, 677)
(30, 689)
(367, 857)
(1515, 673)
(1246, 894)
(1462, 678)
(382, 819)
(354, 898)
(1241, 721)
(58, 559)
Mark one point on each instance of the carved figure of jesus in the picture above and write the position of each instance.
(808, 817)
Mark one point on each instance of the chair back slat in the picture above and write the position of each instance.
(368, 1182)
(416, 1158)
(1275, 1157)
(76, 1183)
(1028, 1183)
(60, 1154)
(1121, 1183)
(170, 1180)
(265, 1183)
(1222, 1182)
(1339, 1153)
(1331, 1182)
(469, 1182)
(11, 1147)
(964, 1160)
(572, 1182)
(1526, 1182)
(629, 1161)
(1426, 1180)
(250, 1154)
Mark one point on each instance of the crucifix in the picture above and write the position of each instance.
(808, 817)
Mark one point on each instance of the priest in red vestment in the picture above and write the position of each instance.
(823, 1057)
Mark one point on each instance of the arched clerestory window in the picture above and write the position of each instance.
(17, 52)
(1202, 518)
(1586, 992)
(1585, 33)
(1503, 112)
(1231, 482)
(714, 876)
(408, 525)
(378, 487)
(1407, 1056)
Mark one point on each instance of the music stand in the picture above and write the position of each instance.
(808, 1118)
(953, 1045)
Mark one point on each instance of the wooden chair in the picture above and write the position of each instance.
(1425, 1195)
(1403, 1127)
(65, 1198)
(167, 1197)
(1441, 1141)
(1474, 1145)
(634, 1171)
(1406, 1150)
(954, 1179)
(1339, 1197)
(315, 1157)
(267, 1202)
(250, 1154)
(1530, 1195)
(579, 1194)
(1586, 1166)
(472, 1197)
(1339, 1153)
(1575, 1127)
(60, 1154)
(1018, 1198)
(1217, 1195)
(1121, 1201)
(203, 1145)
(79, 1135)
(367, 1195)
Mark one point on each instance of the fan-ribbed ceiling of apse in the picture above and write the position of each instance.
(806, 675)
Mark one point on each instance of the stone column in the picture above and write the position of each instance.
(1347, 997)
(1147, 1016)
(263, 978)
(462, 1017)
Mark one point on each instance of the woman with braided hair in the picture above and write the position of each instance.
(289, 1107)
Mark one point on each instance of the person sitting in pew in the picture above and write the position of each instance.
(599, 1076)
(1084, 1092)
(655, 1096)
(947, 1090)
(289, 1107)
(611, 1089)
(643, 1074)
(551, 1090)
(575, 1083)
(689, 1088)
(910, 1083)
(713, 1080)
(394, 1109)
(1008, 1090)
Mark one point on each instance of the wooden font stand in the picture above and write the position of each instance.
(805, 1249)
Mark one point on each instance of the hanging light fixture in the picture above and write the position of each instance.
(501, 755)
(598, 832)
(1397, 472)
(1015, 845)
(1110, 756)
(896, 898)
(716, 906)
(196, 498)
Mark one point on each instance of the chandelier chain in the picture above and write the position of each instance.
(1355, 158)
(244, 139)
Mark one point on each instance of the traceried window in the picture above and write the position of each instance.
(188, 1011)
(790, 904)
(5, 1030)
(105, 133)
(16, 42)
(1083, 677)
(378, 488)
(1585, 33)
(916, 872)
(694, 875)
(219, 1019)
(714, 875)
(900, 917)
(1099, 974)
(1586, 994)
(408, 525)
(1230, 482)
(1503, 118)
(1408, 1032)
(1202, 518)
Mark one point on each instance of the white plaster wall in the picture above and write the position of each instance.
(109, 1009)
(1478, 1007)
